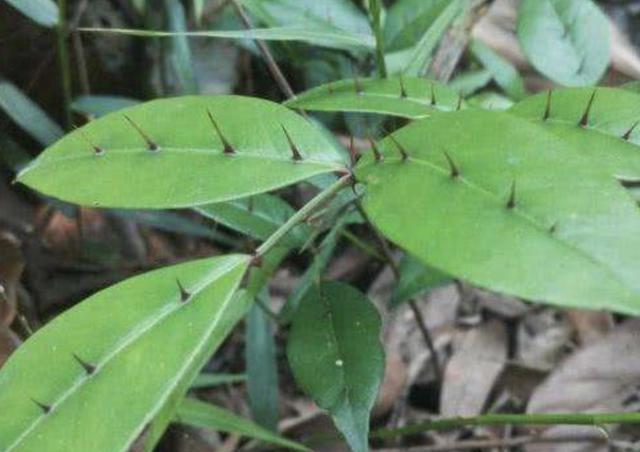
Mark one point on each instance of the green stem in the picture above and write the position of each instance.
(595, 419)
(375, 9)
(302, 214)
(63, 60)
(364, 246)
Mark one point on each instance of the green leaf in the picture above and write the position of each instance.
(179, 53)
(407, 20)
(200, 414)
(43, 12)
(469, 82)
(27, 115)
(262, 370)
(527, 213)
(127, 351)
(613, 114)
(331, 15)
(336, 357)
(503, 72)
(258, 217)
(94, 105)
(416, 278)
(206, 380)
(566, 40)
(167, 154)
(337, 39)
(418, 99)
(419, 59)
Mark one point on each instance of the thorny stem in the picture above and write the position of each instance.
(375, 10)
(63, 59)
(275, 70)
(594, 419)
(422, 325)
(302, 214)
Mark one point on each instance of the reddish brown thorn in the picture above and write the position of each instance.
(584, 121)
(376, 152)
(454, 172)
(184, 295)
(150, 143)
(403, 91)
(547, 109)
(511, 203)
(88, 368)
(628, 133)
(433, 96)
(403, 152)
(256, 261)
(296, 156)
(227, 149)
(46, 409)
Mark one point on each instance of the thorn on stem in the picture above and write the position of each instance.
(227, 148)
(88, 368)
(403, 152)
(584, 121)
(150, 143)
(296, 156)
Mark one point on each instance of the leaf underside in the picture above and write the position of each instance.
(168, 153)
(90, 365)
(526, 213)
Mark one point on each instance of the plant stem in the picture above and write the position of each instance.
(63, 60)
(594, 419)
(375, 10)
(302, 214)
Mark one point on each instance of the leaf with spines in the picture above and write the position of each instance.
(408, 97)
(182, 152)
(336, 357)
(499, 201)
(602, 122)
(126, 352)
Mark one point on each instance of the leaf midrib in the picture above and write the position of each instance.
(519, 212)
(128, 340)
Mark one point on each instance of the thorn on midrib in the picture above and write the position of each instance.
(403, 91)
(628, 133)
(547, 110)
(296, 156)
(46, 409)
(97, 150)
(511, 202)
(584, 121)
(184, 294)
(404, 155)
(88, 368)
(150, 143)
(433, 96)
(453, 168)
(227, 148)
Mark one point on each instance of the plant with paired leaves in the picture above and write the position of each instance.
(536, 201)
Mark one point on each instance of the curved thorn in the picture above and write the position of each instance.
(584, 121)
(376, 152)
(150, 143)
(46, 409)
(547, 110)
(227, 148)
(433, 96)
(88, 368)
(628, 133)
(455, 172)
(184, 295)
(403, 91)
(511, 202)
(296, 156)
(403, 152)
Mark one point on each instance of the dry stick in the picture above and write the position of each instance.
(505, 443)
(424, 330)
(266, 54)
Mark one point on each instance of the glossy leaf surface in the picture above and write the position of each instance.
(167, 153)
(125, 352)
(408, 97)
(566, 40)
(335, 353)
(43, 12)
(501, 202)
(608, 133)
